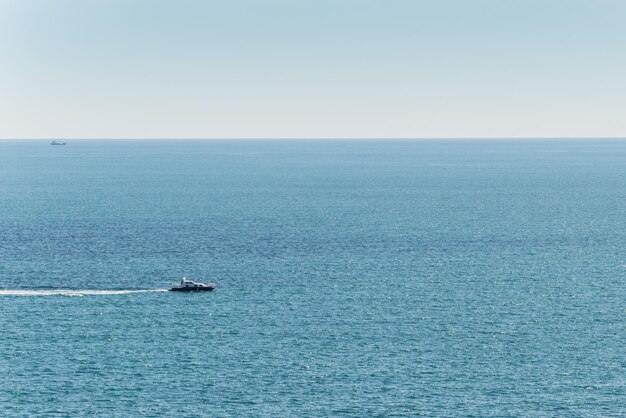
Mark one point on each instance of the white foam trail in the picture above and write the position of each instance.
(67, 292)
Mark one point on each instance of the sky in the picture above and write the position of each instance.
(312, 68)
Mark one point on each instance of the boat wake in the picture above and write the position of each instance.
(67, 292)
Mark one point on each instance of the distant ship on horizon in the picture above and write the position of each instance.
(57, 143)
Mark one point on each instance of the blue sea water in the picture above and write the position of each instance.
(355, 278)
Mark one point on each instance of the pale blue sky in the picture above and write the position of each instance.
(318, 68)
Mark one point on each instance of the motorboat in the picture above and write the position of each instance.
(57, 143)
(187, 285)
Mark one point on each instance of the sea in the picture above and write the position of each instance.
(357, 278)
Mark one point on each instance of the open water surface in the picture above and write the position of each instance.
(355, 278)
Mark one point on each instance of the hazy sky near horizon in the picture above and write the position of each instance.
(318, 68)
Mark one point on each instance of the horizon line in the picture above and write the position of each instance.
(447, 138)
